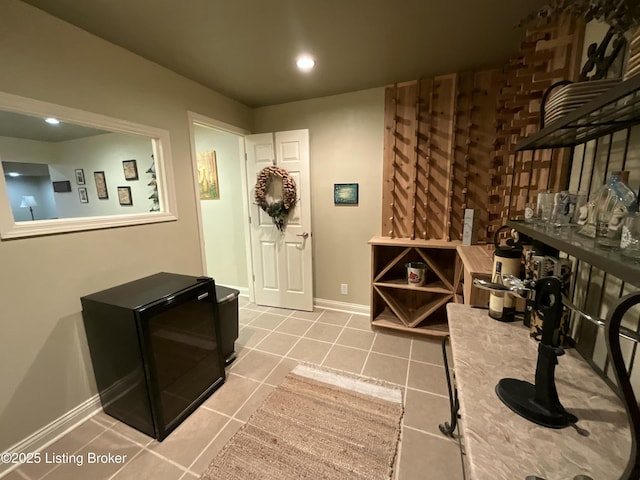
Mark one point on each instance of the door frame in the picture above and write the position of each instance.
(196, 118)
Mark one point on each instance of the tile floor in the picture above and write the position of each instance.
(271, 343)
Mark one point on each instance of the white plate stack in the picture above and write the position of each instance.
(633, 62)
(567, 98)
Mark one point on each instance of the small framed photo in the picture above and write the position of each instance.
(62, 186)
(101, 185)
(124, 196)
(130, 168)
(82, 192)
(79, 176)
(345, 193)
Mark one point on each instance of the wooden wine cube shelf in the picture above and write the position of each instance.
(398, 305)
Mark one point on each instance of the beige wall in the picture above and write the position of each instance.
(44, 361)
(44, 366)
(346, 142)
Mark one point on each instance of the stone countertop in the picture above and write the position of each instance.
(499, 444)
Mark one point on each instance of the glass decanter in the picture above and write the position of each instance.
(612, 204)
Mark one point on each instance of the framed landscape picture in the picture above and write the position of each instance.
(208, 176)
(345, 193)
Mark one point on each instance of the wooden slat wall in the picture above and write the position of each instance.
(550, 53)
(423, 153)
(449, 141)
(399, 193)
(438, 128)
(475, 134)
(388, 168)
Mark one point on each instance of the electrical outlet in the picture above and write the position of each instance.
(344, 288)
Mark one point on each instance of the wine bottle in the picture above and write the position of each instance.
(496, 299)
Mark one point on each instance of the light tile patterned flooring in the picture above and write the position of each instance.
(272, 341)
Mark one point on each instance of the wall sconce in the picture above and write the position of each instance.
(30, 202)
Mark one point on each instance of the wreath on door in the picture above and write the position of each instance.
(277, 209)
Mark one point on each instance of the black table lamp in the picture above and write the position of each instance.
(29, 201)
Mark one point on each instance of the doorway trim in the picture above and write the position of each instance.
(196, 118)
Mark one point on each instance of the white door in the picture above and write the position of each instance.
(282, 261)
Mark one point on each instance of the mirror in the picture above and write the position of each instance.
(85, 171)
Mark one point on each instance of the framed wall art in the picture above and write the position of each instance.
(208, 176)
(62, 186)
(79, 176)
(345, 193)
(124, 196)
(82, 193)
(130, 168)
(101, 185)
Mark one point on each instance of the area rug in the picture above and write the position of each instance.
(317, 424)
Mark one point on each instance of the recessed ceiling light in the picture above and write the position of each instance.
(305, 62)
(52, 121)
(13, 174)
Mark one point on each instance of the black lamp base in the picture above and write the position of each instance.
(520, 396)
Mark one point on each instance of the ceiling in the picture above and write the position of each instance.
(246, 49)
(25, 169)
(28, 127)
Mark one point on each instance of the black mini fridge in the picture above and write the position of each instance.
(155, 349)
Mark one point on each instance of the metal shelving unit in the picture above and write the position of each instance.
(615, 110)
(568, 240)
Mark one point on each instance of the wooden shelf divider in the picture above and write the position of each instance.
(398, 305)
(392, 264)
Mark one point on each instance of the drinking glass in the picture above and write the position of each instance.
(561, 214)
(580, 209)
(544, 208)
(630, 238)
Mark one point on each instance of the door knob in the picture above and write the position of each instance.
(304, 235)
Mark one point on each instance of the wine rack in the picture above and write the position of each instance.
(396, 304)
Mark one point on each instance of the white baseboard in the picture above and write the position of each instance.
(353, 308)
(53, 431)
(244, 291)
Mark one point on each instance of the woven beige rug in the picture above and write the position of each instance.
(317, 424)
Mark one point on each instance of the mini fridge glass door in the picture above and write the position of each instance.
(183, 354)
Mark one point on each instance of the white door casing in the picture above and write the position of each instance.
(282, 261)
(203, 121)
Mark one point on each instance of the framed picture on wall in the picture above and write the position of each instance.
(79, 176)
(82, 193)
(208, 176)
(101, 185)
(345, 194)
(124, 196)
(62, 186)
(130, 168)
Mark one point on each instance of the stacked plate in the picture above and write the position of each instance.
(633, 63)
(570, 97)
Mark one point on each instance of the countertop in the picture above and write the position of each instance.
(500, 444)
